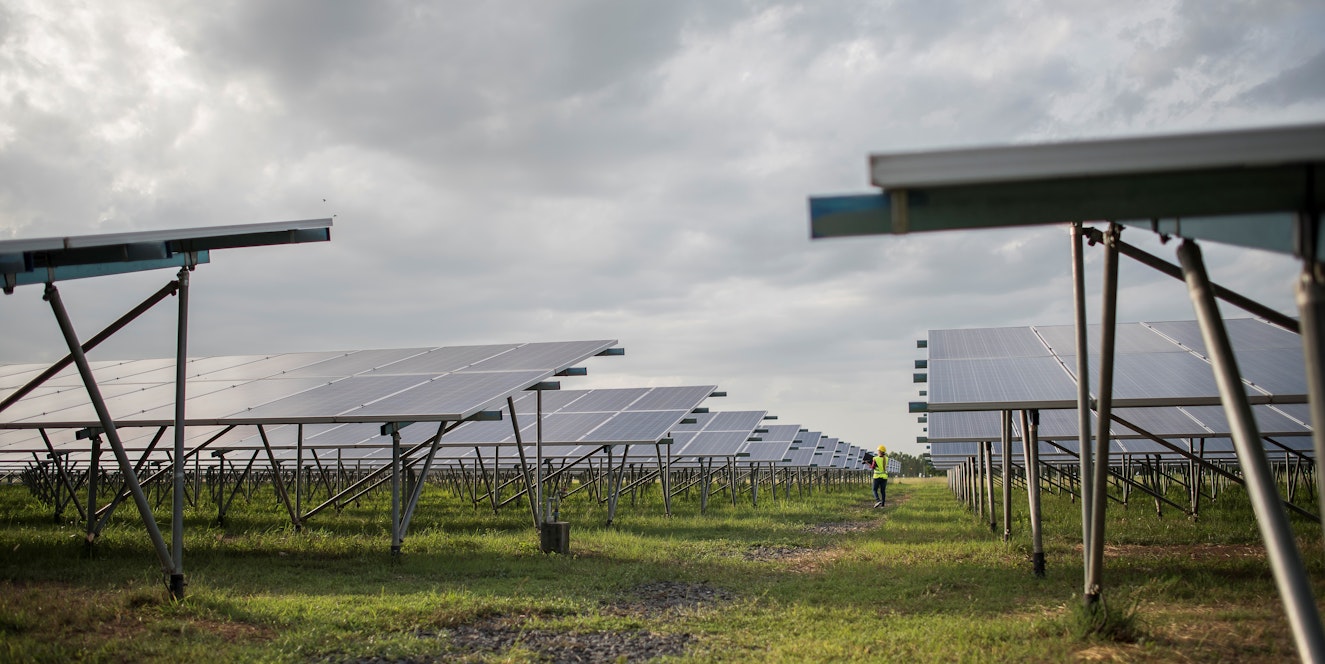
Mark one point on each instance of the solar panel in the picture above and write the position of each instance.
(713, 444)
(232, 398)
(765, 452)
(571, 427)
(985, 343)
(1243, 334)
(781, 433)
(606, 400)
(330, 400)
(1275, 370)
(983, 383)
(646, 426)
(272, 366)
(453, 396)
(736, 420)
(355, 362)
(672, 398)
(552, 356)
(445, 359)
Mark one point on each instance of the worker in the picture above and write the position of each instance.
(881, 477)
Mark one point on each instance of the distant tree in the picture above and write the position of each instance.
(914, 466)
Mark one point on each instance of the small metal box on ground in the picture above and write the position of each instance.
(555, 537)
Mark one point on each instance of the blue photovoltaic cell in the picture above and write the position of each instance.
(649, 426)
(984, 343)
(809, 439)
(233, 399)
(713, 444)
(780, 433)
(680, 439)
(442, 360)
(1243, 334)
(1128, 338)
(550, 356)
(963, 425)
(800, 458)
(999, 381)
(128, 405)
(1162, 422)
(136, 372)
(275, 367)
(334, 398)
(194, 368)
(355, 362)
(764, 452)
(671, 398)
(746, 420)
(459, 394)
(1275, 370)
(1161, 375)
(570, 427)
(1269, 420)
(606, 400)
(1298, 411)
(47, 400)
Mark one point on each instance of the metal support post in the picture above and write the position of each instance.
(1006, 418)
(108, 426)
(524, 466)
(1285, 561)
(1311, 308)
(423, 477)
(989, 484)
(94, 467)
(1030, 426)
(278, 481)
(543, 510)
(1086, 470)
(395, 493)
(181, 378)
(1104, 405)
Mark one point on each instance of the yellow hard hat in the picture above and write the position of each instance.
(882, 449)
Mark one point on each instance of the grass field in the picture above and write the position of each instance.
(818, 578)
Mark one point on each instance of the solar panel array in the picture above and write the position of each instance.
(420, 384)
(1163, 385)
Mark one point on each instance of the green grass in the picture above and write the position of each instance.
(923, 580)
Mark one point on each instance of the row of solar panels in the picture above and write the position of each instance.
(339, 401)
(1163, 387)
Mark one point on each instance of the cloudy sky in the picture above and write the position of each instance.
(536, 170)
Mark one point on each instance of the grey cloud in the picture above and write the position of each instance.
(1305, 82)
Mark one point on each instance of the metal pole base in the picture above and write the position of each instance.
(1037, 560)
(176, 587)
(555, 537)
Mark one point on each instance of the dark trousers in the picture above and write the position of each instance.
(881, 489)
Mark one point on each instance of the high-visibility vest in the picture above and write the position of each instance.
(881, 466)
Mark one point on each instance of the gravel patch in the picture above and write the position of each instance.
(495, 636)
(662, 596)
(764, 552)
(840, 527)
